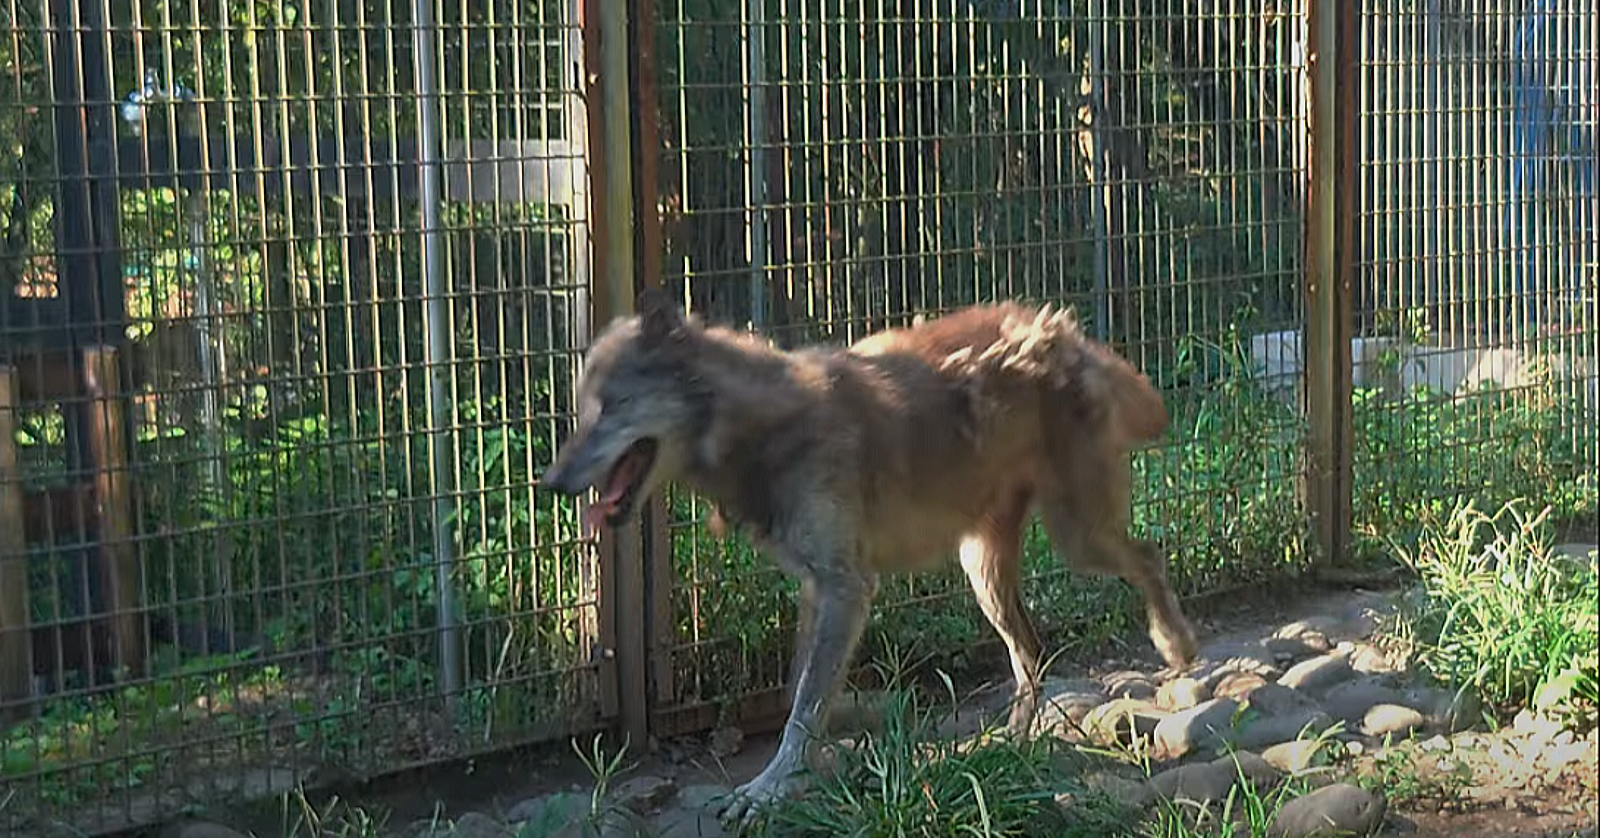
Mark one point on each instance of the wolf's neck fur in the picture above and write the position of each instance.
(750, 389)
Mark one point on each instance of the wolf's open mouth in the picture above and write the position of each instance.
(622, 484)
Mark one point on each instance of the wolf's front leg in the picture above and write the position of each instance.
(843, 600)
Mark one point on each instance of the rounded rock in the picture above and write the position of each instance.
(1313, 632)
(1181, 694)
(203, 829)
(1203, 782)
(1135, 794)
(1235, 656)
(1369, 659)
(1253, 768)
(1068, 702)
(1278, 700)
(551, 811)
(1267, 731)
(1130, 683)
(479, 825)
(1236, 685)
(1288, 649)
(1319, 674)
(1339, 809)
(1391, 720)
(1350, 701)
(1295, 757)
(1122, 720)
(1206, 724)
(646, 793)
(1449, 711)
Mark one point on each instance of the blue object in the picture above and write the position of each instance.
(135, 104)
(1551, 148)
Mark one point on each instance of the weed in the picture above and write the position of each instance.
(1397, 773)
(333, 819)
(603, 769)
(566, 814)
(1500, 613)
(1417, 456)
(910, 777)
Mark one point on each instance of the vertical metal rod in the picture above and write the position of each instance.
(16, 649)
(756, 173)
(210, 354)
(1101, 168)
(436, 353)
(1330, 238)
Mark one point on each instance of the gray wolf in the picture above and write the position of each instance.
(845, 463)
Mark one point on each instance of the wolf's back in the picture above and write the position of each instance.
(1043, 346)
(1048, 346)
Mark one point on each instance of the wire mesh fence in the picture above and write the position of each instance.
(291, 299)
(289, 302)
(1476, 302)
(831, 169)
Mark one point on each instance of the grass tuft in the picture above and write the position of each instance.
(1498, 611)
(912, 777)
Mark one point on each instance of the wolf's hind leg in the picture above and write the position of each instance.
(991, 555)
(1086, 512)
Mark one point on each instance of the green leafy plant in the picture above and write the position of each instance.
(1499, 612)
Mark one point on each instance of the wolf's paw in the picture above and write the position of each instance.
(1176, 643)
(748, 800)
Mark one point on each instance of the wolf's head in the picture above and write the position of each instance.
(636, 411)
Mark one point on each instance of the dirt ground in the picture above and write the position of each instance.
(1527, 796)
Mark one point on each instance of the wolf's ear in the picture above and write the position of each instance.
(658, 314)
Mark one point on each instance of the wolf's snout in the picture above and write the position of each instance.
(558, 480)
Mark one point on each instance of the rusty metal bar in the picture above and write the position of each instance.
(1330, 266)
(755, 95)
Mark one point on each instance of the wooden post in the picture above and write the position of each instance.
(648, 252)
(16, 660)
(622, 583)
(1331, 205)
(107, 447)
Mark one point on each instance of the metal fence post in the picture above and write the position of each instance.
(437, 350)
(622, 585)
(755, 56)
(1330, 267)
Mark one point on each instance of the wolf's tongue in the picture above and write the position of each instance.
(622, 475)
(596, 515)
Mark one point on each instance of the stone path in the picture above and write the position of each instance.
(1317, 700)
